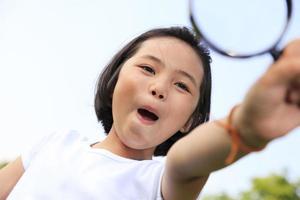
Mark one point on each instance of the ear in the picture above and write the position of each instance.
(187, 126)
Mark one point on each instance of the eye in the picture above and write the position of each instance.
(148, 69)
(182, 86)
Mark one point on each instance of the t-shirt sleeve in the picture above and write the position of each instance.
(28, 155)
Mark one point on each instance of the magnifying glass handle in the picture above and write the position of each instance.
(275, 53)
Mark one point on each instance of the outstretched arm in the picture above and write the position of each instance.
(269, 110)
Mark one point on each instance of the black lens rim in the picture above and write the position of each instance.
(272, 49)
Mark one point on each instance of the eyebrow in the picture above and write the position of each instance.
(180, 71)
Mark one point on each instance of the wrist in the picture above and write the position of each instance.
(245, 143)
(248, 133)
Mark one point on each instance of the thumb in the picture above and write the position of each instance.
(292, 49)
(287, 68)
(285, 71)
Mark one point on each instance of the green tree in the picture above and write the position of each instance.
(222, 196)
(272, 187)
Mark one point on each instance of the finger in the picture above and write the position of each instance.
(285, 70)
(292, 49)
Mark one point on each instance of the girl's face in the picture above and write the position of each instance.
(156, 92)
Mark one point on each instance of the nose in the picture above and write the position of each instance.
(159, 91)
(160, 96)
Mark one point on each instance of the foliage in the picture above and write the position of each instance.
(272, 187)
(222, 196)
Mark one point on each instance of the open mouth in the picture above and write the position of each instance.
(147, 115)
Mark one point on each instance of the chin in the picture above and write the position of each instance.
(139, 144)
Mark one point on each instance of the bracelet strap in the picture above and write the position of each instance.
(236, 140)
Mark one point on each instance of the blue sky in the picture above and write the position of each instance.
(51, 53)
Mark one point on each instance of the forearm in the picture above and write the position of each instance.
(202, 151)
(207, 147)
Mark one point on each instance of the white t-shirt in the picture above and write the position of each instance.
(64, 166)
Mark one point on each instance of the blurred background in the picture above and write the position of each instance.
(51, 53)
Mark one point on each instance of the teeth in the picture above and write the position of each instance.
(147, 114)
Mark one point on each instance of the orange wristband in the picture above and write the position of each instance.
(236, 140)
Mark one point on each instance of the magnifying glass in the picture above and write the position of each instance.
(241, 28)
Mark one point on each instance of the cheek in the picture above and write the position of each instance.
(125, 93)
(124, 87)
(183, 108)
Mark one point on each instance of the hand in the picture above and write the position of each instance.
(271, 108)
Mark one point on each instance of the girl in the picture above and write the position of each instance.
(155, 91)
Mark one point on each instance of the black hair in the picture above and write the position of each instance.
(108, 79)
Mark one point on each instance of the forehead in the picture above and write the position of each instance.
(174, 53)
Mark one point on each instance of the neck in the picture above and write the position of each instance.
(115, 145)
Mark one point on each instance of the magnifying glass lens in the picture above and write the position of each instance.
(240, 26)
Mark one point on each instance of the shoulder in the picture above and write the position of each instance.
(56, 141)
(62, 137)
(66, 136)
